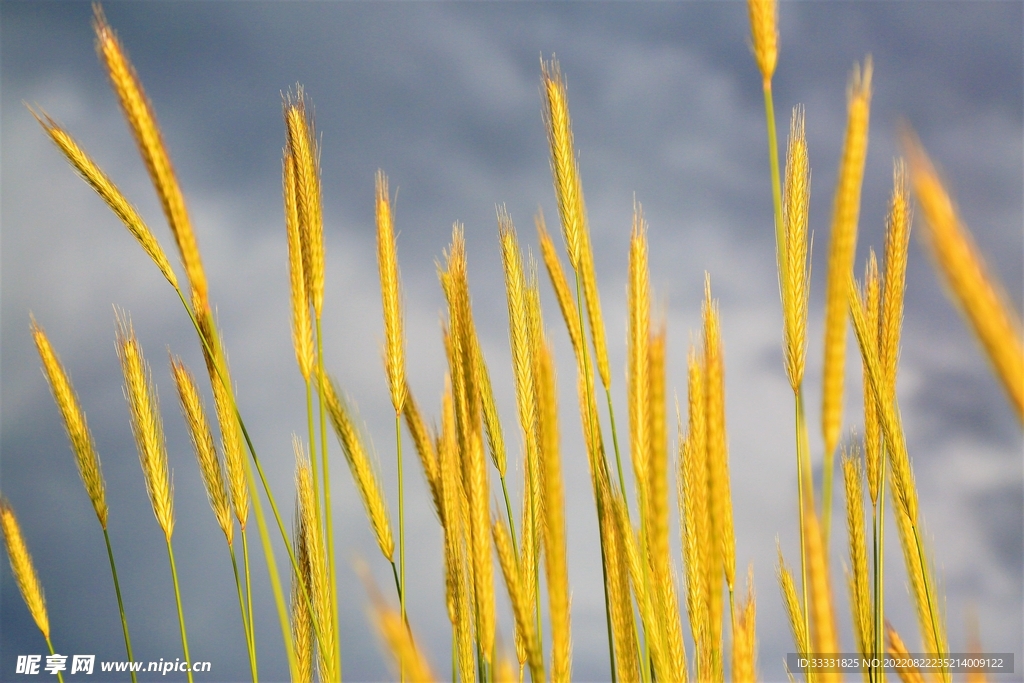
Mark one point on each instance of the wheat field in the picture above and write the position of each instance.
(447, 100)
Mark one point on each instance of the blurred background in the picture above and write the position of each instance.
(444, 97)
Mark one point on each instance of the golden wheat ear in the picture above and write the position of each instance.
(977, 293)
(24, 571)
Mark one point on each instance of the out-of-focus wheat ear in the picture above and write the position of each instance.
(841, 251)
(555, 555)
(897, 650)
(795, 276)
(978, 294)
(302, 619)
(387, 263)
(793, 608)
(860, 587)
(230, 433)
(144, 407)
(657, 464)
(638, 302)
(504, 672)
(302, 326)
(744, 640)
(139, 113)
(522, 606)
(871, 302)
(563, 160)
(362, 471)
(764, 32)
(305, 151)
(916, 578)
(202, 439)
(23, 569)
(824, 635)
(424, 441)
(520, 337)
(566, 301)
(108, 191)
(408, 657)
(317, 582)
(720, 503)
(623, 619)
(893, 281)
(974, 648)
(82, 443)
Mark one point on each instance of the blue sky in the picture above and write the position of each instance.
(444, 97)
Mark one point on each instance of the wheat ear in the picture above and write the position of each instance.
(24, 571)
(840, 268)
(979, 296)
(109, 192)
(857, 577)
(139, 113)
(795, 274)
(744, 640)
(764, 32)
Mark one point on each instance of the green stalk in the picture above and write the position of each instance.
(181, 614)
(60, 678)
(120, 603)
(327, 499)
(878, 519)
(925, 574)
(773, 163)
(802, 473)
(508, 509)
(398, 584)
(600, 511)
(455, 651)
(246, 617)
(312, 449)
(615, 442)
(401, 508)
(248, 594)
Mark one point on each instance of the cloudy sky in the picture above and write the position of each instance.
(444, 98)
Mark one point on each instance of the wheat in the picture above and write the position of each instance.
(860, 594)
(387, 263)
(979, 296)
(764, 17)
(23, 569)
(563, 161)
(303, 148)
(74, 422)
(302, 327)
(561, 286)
(109, 192)
(907, 674)
(841, 250)
(147, 426)
(520, 599)
(317, 581)
(362, 471)
(744, 647)
(795, 271)
(139, 114)
(202, 439)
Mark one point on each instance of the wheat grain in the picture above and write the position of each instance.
(302, 327)
(304, 150)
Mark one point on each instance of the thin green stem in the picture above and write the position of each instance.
(590, 427)
(455, 650)
(246, 616)
(773, 162)
(925, 574)
(401, 507)
(314, 468)
(328, 518)
(615, 442)
(181, 613)
(878, 519)
(802, 473)
(60, 678)
(248, 596)
(120, 603)
(398, 584)
(508, 509)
